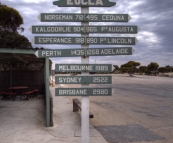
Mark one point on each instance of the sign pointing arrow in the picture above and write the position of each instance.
(37, 53)
(39, 17)
(129, 18)
(33, 40)
(133, 50)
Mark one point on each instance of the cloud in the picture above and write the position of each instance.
(153, 17)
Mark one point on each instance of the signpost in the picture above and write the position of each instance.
(85, 52)
(104, 68)
(83, 29)
(83, 79)
(75, 17)
(83, 91)
(84, 68)
(85, 40)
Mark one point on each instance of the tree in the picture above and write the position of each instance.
(130, 67)
(143, 69)
(153, 67)
(168, 68)
(132, 64)
(10, 19)
(162, 69)
(14, 40)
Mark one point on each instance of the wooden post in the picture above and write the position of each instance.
(11, 73)
(47, 92)
(85, 99)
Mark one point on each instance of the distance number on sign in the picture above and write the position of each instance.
(100, 91)
(100, 79)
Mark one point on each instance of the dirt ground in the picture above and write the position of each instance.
(143, 100)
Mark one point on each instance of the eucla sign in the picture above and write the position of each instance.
(84, 3)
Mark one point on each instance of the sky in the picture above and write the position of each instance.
(153, 17)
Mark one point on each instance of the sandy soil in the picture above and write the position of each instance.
(143, 100)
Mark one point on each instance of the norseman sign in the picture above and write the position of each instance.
(84, 3)
(75, 17)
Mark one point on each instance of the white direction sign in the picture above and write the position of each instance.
(75, 17)
(83, 91)
(83, 79)
(104, 68)
(85, 52)
(61, 29)
(85, 40)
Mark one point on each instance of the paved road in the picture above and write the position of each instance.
(142, 103)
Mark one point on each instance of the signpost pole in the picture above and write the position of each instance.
(85, 99)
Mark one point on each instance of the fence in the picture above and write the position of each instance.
(34, 79)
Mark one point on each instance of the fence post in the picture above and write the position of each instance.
(47, 92)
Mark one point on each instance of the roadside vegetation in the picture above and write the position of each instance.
(10, 36)
(133, 67)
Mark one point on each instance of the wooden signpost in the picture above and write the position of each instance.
(84, 68)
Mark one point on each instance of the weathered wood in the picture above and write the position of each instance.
(77, 107)
(51, 109)
(8, 95)
(27, 95)
(47, 91)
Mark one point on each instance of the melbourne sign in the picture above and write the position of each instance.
(84, 3)
(83, 68)
(83, 91)
(85, 40)
(74, 17)
(85, 52)
(83, 29)
(83, 79)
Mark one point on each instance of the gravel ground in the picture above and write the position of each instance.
(143, 100)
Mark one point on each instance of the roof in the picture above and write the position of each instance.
(20, 55)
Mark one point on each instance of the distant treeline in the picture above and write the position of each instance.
(132, 67)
